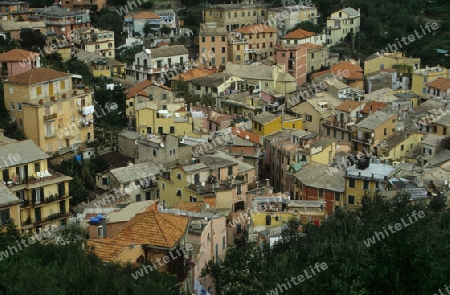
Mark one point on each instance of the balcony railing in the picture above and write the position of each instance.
(50, 135)
(338, 124)
(48, 200)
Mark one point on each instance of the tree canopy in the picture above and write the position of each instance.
(413, 260)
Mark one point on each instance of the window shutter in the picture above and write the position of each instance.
(33, 194)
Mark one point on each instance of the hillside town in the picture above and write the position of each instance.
(174, 145)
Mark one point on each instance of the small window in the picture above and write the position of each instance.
(213, 39)
(192, 199)
(351, 199)
(223, 38)
(366, 184)
(351, 182)
(11, 90)
(337, 196)
(178, 193)
(179, 176)
(164, 96)
(172, 129)
(12, 106)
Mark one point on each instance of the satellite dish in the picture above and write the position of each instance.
(148, 51)
(161, 144)
(203, 183)
(247, 137)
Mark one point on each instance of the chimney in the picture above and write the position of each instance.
(267, 182)
(370, 110)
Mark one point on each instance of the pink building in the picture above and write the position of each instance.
(294, 57)
(17, 61)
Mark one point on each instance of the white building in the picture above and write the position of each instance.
(158, 63)
(342, 22)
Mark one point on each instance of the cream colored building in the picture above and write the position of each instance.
(342, 22)
(377, 62)
(421, 77)
(44, 200)
(236, 15)
(96, 41)
(286, 18)
(49, 111)
(251, 43)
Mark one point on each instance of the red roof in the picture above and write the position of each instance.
(375, 105)
(348, 105)
(345, 69)
(246, 135)
(440, 83)
(18, 55)
(255, 29)
(138, 88)
(299, 34)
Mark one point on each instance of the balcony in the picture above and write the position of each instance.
(50, 117)
(340, 125)
(50, 135)
(48, 218)
(249, 50)
(48, 200)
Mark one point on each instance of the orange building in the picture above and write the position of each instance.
(213, 45)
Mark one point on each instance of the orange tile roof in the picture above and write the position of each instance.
(440, 83)
(241, 150)
(162, 43)
(376, 105)
(345, 69)
(188, 206)
(310, 46)
(254, 29)
(17, 55)
(348, 104)
(221, 118)
(153, 228)
(39, 75)
(143, 15)
(138, 88)
(106, 249)
(255, 138)
(193, 73)
(299, 34)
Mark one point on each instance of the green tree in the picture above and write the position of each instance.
(31, 39)
(307, 26)
(165, 30)
(147, 29)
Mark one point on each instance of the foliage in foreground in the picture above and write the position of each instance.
(414, 260)
(51, 269)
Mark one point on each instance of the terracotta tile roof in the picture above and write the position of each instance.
(17, 55)
(138, 88)
(241, 150)
(254, 29)
(143, 15)
(221, 118)
(107, 249)
(348, 104)
(440, 83)
(153, 228)
(161, 44)
(299, 34)
(255, 138)
(310, 46)
(188, 206)
(355, 72)
(193, 74)
(376, 105)
(35, 76)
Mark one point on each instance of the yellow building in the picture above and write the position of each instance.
(43, 194)
(97, 41)
(251, 43)
(341, 23)
(421, 77)
(398, 145)
(9, 207)
(267, 123)
(236, 15)
(49, 111)
(364, 178)
(385, 61)
(152, 120)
